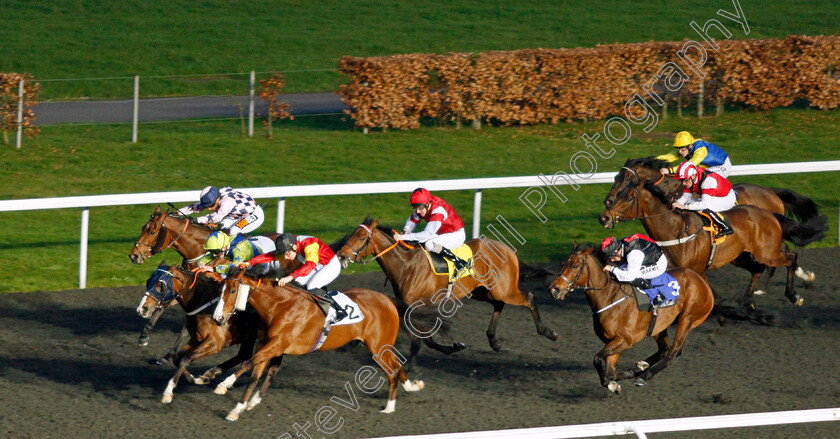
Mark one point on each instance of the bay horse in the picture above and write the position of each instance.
(181, 233)
(779, 200)
(757, 240)
(408, 269)
(293, 325)
(197, 295)
(618, 321)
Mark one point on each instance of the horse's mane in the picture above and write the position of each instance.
(648, 162)
(188, 219)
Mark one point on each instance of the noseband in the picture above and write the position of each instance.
(356, 252)
(153, 249)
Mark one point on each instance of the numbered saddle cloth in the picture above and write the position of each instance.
(664, 284)
(354, 313)
(442, 266)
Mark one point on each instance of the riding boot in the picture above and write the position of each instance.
(656, 301)
(460, 264)
(641, 283)
(321, 294)
(722, 222)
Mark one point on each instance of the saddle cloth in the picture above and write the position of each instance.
(354, 313)
(444, 267)
(664, 284)
(710, 226)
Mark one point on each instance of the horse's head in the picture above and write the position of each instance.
(234, 293)
(574, 274)
(151, 238)
(637, 175)
(160, 291)
(358, 245)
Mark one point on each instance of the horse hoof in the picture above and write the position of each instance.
(614, 387)
(201, 381)
(496, 345)
(221, 390)
(420, 384)
(642, 365)
(166, 399)
(144, 341)
(639, 382)
(758, 292)
(800, 302)
(232, 417)
(459, 346)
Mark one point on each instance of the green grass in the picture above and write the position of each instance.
(41, 248)
(109, 39)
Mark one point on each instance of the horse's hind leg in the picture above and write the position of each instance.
(246, 350)
(171, 357)
(684, 326)
(541, 328)
(494, 321)
(259, 368)
(663, 346)
(756, 269)
(793, 268)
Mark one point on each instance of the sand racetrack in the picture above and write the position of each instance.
(70, 367)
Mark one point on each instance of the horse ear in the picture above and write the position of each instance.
(376, 222)
(162, 264)
(157, 210)
(574, 245)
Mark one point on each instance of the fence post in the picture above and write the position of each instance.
(476, 214)
(281, 214)
(83, 247)
(251, 105)
(700, 100)
(136, 116)
(20, 114)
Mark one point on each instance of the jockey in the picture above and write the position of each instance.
(642, 259)
(237, 249)
(703, 154)
(237, 212)
(320, 265)
(444, 230)
(705, 191)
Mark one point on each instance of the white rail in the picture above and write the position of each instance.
(641, 428)
(283, 192)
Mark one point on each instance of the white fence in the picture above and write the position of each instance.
(641, 428)
(283, 192)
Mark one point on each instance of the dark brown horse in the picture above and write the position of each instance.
(619, 323)
(293, 324)
(496, 280)
(756, 243)
(773, 199)
(198, 295)
(779, 200)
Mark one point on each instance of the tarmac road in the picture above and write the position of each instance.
(193, 107)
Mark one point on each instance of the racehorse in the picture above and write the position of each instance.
(619, 323)
(757, 240)
(198, 295)
(777, 200)
(293, 324)
(408, 269)
(181, 233)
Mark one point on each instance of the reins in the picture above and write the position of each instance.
(367, 242)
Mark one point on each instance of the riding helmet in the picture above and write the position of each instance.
(683, 139)
(610, 246)
(209, 195)
(217, 241)
(685, 170)
(284, 242)
(419, 197)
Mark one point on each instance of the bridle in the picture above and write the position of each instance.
(634, 202)
(154, 248)
(363, 248)
(571, 283)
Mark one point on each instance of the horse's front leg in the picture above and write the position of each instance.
(143, 340)
(273, 368)
(605, 362)
(259, 368)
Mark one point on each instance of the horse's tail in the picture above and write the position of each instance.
(532, 272)
(802, 233)
(424, 321)
(797, 204)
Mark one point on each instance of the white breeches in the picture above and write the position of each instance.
(244, 225)
(722, 170)
(451, 240)
(321, 276)
(719, 204)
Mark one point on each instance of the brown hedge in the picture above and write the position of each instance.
(9, 85)
(550, 85)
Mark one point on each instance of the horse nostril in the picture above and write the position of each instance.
(607, 203)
